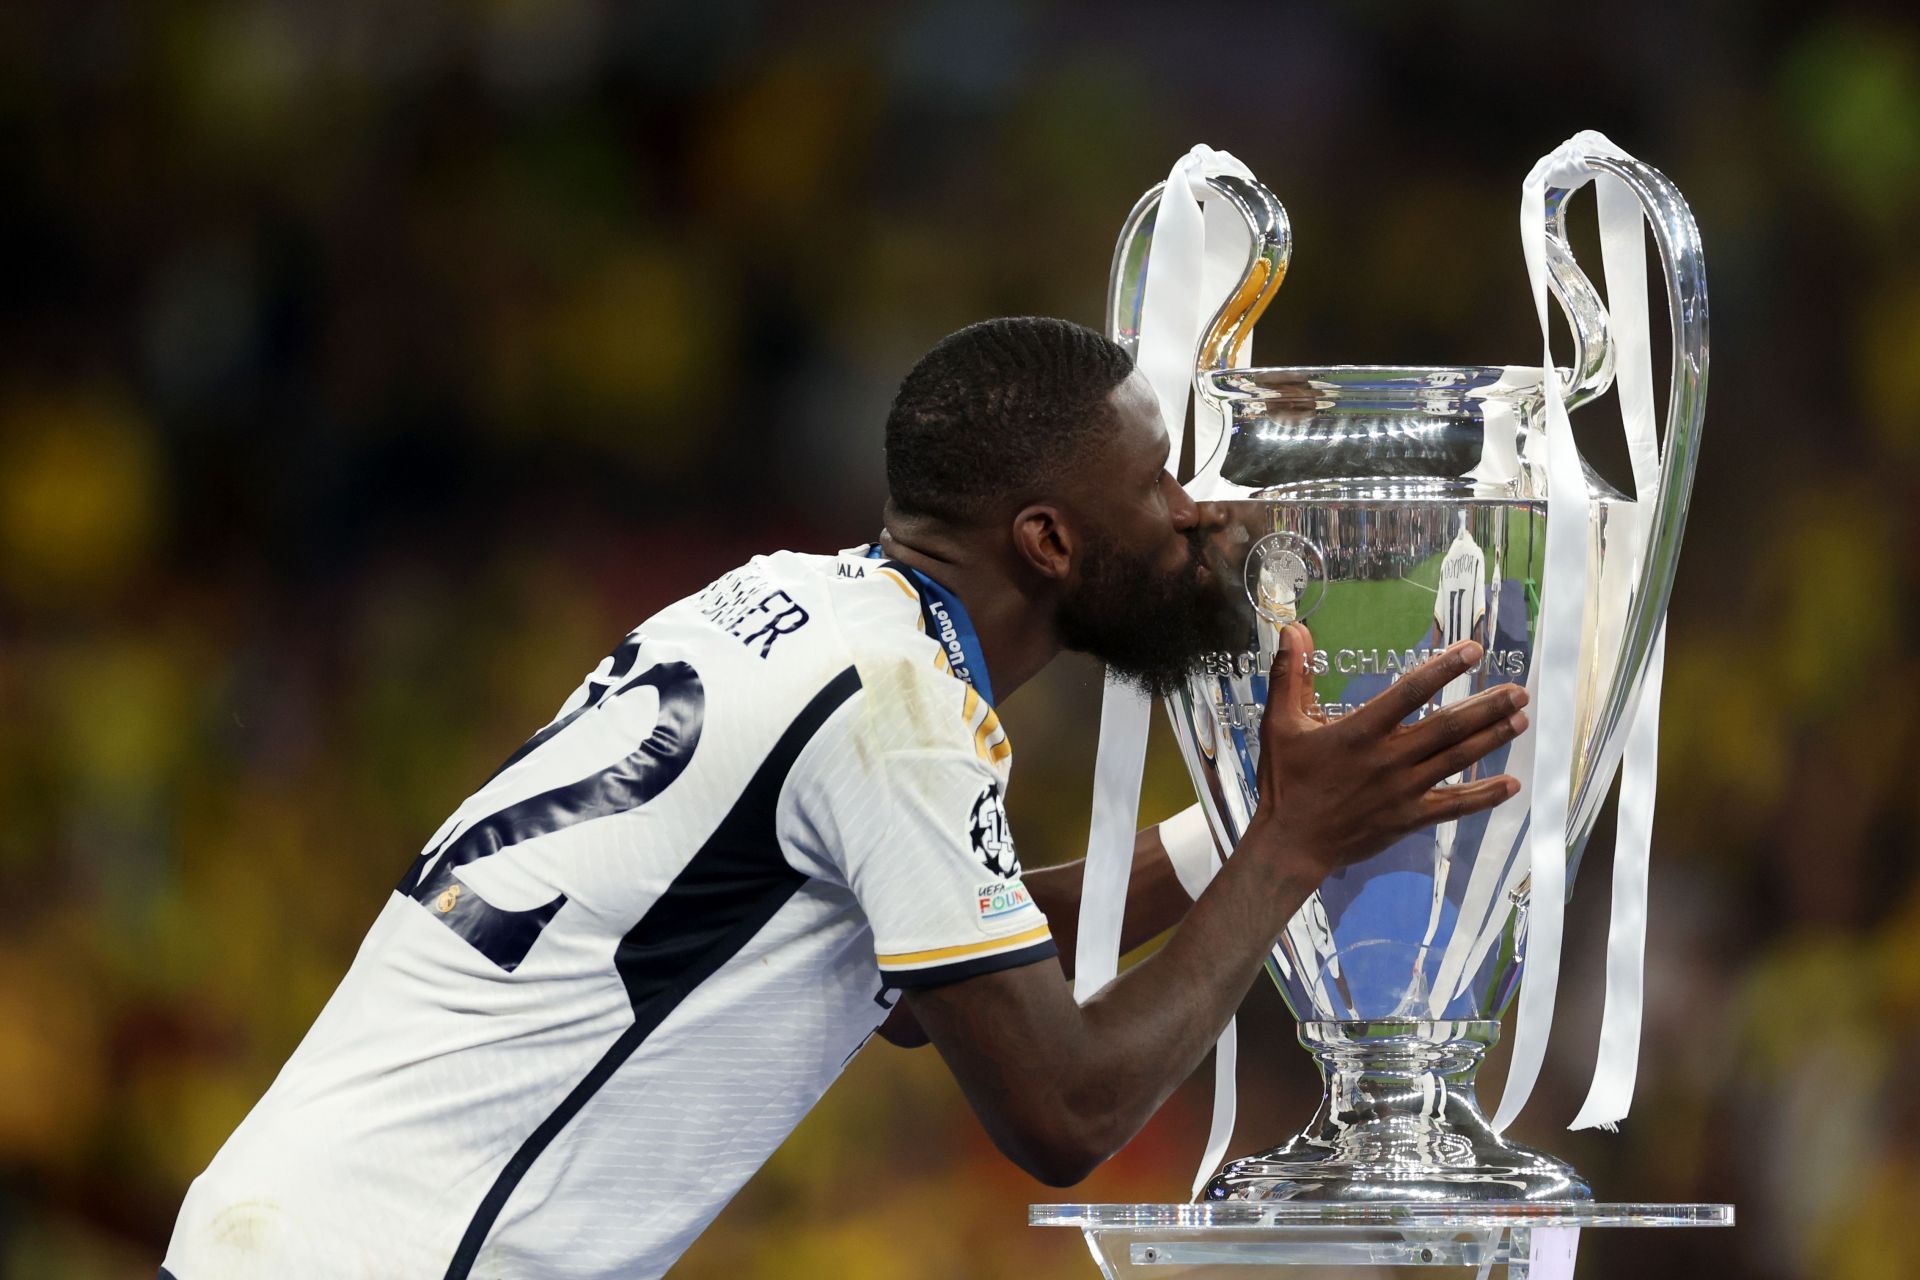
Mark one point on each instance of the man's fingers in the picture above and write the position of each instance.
(1289, 686)
(1467, 752)
(1441, 730)
(1309, 700)
(1446, 804)
(1412, 691)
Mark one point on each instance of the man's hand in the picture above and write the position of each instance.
(1335, 792)
(1061, 1086)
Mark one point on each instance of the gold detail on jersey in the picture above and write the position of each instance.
(893, 576)
(989, 739)
(447, 900)
(968, 949)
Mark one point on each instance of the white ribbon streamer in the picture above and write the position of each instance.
(1195, 259)
(1618, 1062)
(1623, 256)
(1226, 1056)
(1188, 839)
(1490, 1246)
(1556, 657)
(1624, 259)
(1117, 764)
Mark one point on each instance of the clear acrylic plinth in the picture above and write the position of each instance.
(1169, 1241)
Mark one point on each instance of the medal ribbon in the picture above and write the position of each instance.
(947, 622)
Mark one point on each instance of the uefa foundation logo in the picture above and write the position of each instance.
(1286, 577)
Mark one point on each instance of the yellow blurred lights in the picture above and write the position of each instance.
(79, 498)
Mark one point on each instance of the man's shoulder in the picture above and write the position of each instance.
(915, 703)
(851, 609)
(796, 614)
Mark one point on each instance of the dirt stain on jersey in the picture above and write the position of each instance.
(908, 707)
(245, 1225)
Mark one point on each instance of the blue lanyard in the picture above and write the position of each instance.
(947, 622)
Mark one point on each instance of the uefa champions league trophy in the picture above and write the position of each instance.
(1396, 511)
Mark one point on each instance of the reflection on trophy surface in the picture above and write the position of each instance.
(1394, 512)
(1397, 967)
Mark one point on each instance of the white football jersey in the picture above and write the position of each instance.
(624, 969)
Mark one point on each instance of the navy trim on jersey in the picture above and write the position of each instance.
(737, 881)
(940, 974)
(166, 1274)
(503, 936)
(619, 662)
(949, 625)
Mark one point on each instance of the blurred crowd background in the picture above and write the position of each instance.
(366, 370)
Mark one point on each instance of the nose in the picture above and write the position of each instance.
(1182, 510)
(1211, 517)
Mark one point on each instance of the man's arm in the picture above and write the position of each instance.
(1061, 1086)
(1155, 903)
(1155, 899)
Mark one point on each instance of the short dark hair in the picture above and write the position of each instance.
(997, 411)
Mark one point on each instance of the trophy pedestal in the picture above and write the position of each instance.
(1535, 1241)
(1399, 1122)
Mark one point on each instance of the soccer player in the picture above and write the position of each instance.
(621, 971)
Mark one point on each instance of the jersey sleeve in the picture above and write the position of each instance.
(910, 814)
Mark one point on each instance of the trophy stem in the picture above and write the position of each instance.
(1399, 1122)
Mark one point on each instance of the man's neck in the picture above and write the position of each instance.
(1015, 629)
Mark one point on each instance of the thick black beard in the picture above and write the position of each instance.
(1152, 630)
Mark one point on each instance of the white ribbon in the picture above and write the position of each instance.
(1226, 1054)
(1117, 764)
(1623, 251)
(1554, 680)
(1624, 259)
(1197, 255)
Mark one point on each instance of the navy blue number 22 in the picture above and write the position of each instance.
(505, 937)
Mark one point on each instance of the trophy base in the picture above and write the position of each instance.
(1144, 1241)
(1399, 1123)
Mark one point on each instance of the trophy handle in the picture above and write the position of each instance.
(1683, 265)
(1224, 340)
(1592, 371)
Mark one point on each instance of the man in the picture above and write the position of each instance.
(621, 972)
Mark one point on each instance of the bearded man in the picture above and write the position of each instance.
(622, 971)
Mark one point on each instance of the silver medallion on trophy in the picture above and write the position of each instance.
(1397, 511)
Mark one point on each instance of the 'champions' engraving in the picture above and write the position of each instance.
(1362, 662)
(1353, 662)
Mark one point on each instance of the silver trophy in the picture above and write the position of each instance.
(1396, 511)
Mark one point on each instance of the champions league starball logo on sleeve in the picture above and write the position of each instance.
(992, 843)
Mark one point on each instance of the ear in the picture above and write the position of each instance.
(1044, 540)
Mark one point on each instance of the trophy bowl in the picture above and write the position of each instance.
(1394, 512)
